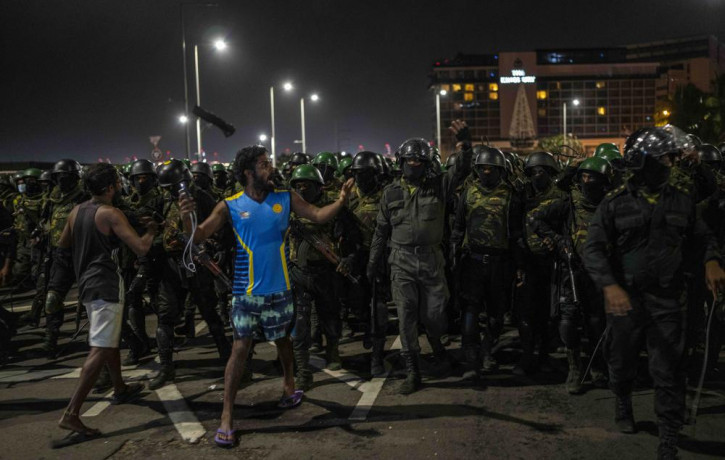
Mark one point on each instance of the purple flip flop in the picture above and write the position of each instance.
(229, 435)
(288, 402)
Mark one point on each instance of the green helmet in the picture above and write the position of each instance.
(18, 176)
(218, 168)
(345, 163)
(306, 172)
(606, 147)
(326, 158)
(31, 172)
(596, 165)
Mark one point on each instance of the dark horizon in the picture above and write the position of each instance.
(91, 80)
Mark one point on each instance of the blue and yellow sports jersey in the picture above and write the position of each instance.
(260, 267)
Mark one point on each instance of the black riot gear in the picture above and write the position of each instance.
(174, 176)
(416, 148)
(653, 142)
(142, 166)
(543, 159)
(710, 155)
(488, 156)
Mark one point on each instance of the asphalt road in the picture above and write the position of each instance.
(345, 415)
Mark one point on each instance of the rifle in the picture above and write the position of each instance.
(202, 257)
(322, 244)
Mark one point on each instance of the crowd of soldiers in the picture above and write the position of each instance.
(487, 239)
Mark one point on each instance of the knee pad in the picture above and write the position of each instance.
(53, 303)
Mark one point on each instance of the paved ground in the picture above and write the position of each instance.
(345, 415)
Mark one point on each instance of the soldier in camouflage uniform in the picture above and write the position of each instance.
(67, 194)
(488, 227)
(327, 164)
(221, 180)
(177, 281)
(364, 203)
(635, 252)
(536, 302)
(312, 274)
(565, 221)
(7, 193)
(412, 219)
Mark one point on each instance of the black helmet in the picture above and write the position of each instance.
(489, 156)
(451, 160)
(416, 148)
(202, 168)
(364, 160)
(299, 158)
(709, 154)
(385, 162)
(67, 166)
(173, 172)
(544, 159)
(653, 142)
(142, 166)
(46, 176)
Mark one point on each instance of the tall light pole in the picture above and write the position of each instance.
(220, 45)
(438, 116)
(186, 81)
(563, 109)
(287, 87)
(313, 98)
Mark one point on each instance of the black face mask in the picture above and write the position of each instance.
(489, 180)
(203, 182)
(311, 193)
(32, 189)
(593, 191)
(220, 181)
(541, 181)
(143, 188)
(413, 173)
(327, 172)
(366, 181)
(655, 174)
(67, 182)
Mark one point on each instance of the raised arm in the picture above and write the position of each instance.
(321, 215)
(120, 226)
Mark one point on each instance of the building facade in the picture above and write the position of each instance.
(510, 99)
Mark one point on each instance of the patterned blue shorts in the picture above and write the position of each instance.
(273, 312)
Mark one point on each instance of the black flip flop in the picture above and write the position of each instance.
(131, 392)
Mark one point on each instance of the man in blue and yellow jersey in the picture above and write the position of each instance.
(261, 293)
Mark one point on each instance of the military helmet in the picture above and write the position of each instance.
(653, 142)
(491, 156)
(201, 167)
(306, 172)
(67, 166)
(344, 165)
(415, 148)
(126, 169)
(606, 148)
(218, 168)
(326, 158)
(694, 140)
(596, 165)
(436, 164)
(17, 176)
(709, 154)
(299, 158)
(451, 160)
(31, 172)
(172, 172)
(364, 160)
(46, 176)
(142, 166)
(544, 159)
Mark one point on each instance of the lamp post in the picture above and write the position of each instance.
(287, 86)
(220, 45)
(438, 116)
(576, 104)
(313, 98)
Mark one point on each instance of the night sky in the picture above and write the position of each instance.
(96, 78)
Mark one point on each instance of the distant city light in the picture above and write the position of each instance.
(443, 92)
(576, 102)
(666, 113)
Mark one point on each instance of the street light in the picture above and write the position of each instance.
(262, 138)
(287, 86)
(438, 116)
(576, 103)
(314, 98)
(183, 119)
(220, 45)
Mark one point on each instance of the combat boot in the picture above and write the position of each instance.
(50, 343)
(573, 379)
(526, 363)
(489, 362)
(667, 449)
(166, 374)
(222, 345)
(334, 362)
(303, 378)
(377, 368)
(412, 382)
(32, 318)
(623, 414)
(187, 329)
(441, 362)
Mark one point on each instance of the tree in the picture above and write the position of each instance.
(696, 112)
(554, 144)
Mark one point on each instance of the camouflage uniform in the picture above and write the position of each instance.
(27, 220)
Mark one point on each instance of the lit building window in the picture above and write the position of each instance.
(493, 96)
(601, 84)
(601, 111)
(469, 87)
(542, 112)
(541, 95)
(468, 97)
(493, 87)
(558, 85)
(445, 87)
(456, 87)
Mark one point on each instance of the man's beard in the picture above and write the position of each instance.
(260, 184)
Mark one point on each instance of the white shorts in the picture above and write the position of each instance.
(105, 323)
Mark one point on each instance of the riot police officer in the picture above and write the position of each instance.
(327, 164)
(28, 208)
(634, 252)
(412, 219)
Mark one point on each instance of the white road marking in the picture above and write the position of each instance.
(183, 418)
(98, 407)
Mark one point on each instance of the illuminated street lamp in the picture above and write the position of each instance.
(314, 98)
(220, 45)
(287, 86)
(576, 103)
(666, 113)
(183, 119)
(438, 116)
(262, 138)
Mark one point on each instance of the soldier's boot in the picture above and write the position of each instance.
(165, 342)
(377, 368)
(187, 329)
(303, 377)
(471, 358)
(316, 332)
(103, 383)
(441, 361)
(623, 414)
(412, 382)
(222, 345)
(166, 375)
(334, 362)
(667, 449)
(526, 363)
(32, 317)
(137, 318)
(489, 362)
(50, 343)
(574, 377)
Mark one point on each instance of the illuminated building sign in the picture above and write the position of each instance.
(517, 76)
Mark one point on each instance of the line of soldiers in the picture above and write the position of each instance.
(608, 248)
